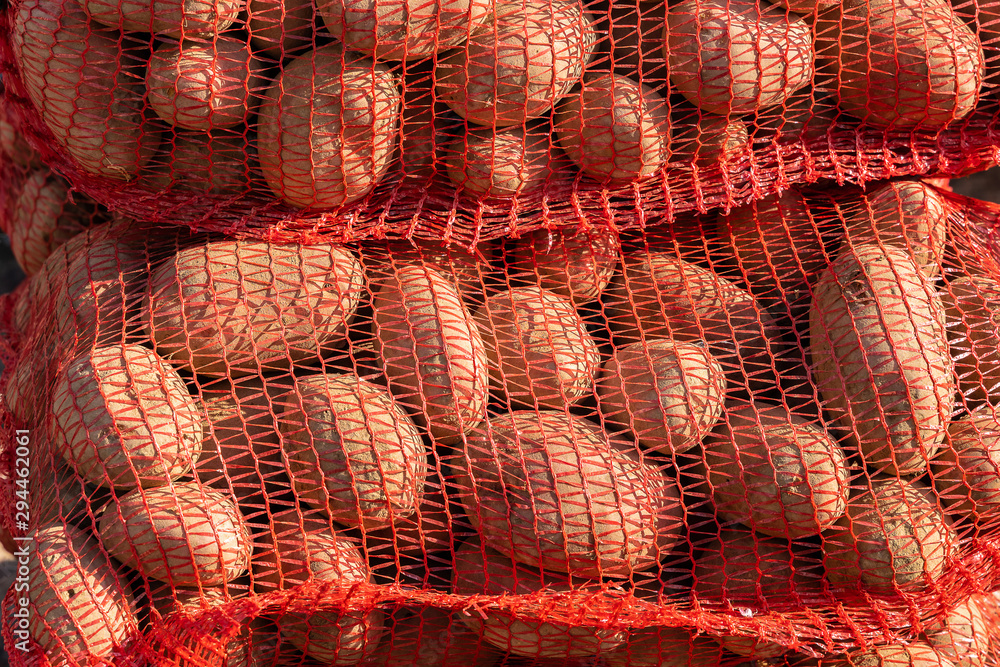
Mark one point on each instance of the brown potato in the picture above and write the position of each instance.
(775, 471)
(668, 394)
(431, 351)
(13, 143)
(554, 491)
(236, 307)
(539, 349)
(966, 635)
(967, 469)
(893, 537)
(916, 654)
(183, 535)
(176, 18)
(517, 64)
(576, 264)
(901, 63)
(352, 451)
(281, 28)
(502, 163)
(122, 418)
(467, 271)
(972, 317)
(431, 637)
(880, 357)
(707, 46)
(482, 571)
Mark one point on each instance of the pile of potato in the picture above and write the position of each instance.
(778, 408)
(316, 103)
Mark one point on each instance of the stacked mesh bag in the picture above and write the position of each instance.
(479, 333)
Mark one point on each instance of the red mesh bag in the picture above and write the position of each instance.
(768, 434)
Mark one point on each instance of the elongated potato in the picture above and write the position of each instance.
(281, 28)
(972, 317)
(539, 349)
(775, 472)
(182, 535)
(431, 351)
(327, 128)
(518, 63)
(707, 46)
(966, 635)
(554, 491)
(668, 394)
(82, 80)
(881, 358)
(967, 469)
(78, 606)
(213, 163)
(502, 163)
(353, 451)
(576, 264)
(293, 302)
(615, 129)
(893, 537)
(430, 637)
(176, 18)
(482, 571)
(901, 63)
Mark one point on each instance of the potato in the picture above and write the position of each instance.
(402, 29)
(45, 216)
(217, 164)
(321, 142)
(909, 214)
(12, 140)
(576, 264)
(464, 270)
(916, 654)
(502, 163)
(893, 537)
(775, 471)
(554, 491)
(430, 637)
(668, 394)
(707, 46)
(967, 469)
(81, 79)
(806, 8)
(203, 85)
(880, 357)
(281, 28)
(334, 638)
(482, 571)
(517, 64)
(965, 636)
(431, 351)
(351, 450)
(181, 534)
(175, 18)
(666, 647)
(705, 141)
(901, 63)
(78, 606)
(122, 418)
(972, 316)
(616, 130)
(539, 349)
(292, 303)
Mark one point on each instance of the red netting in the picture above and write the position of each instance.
(767, 434)
(477, 120)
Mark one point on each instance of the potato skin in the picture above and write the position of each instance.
(78, 606)
(972, 313)
(576, 264)
(293, 302)
(707, 43)
(669, 394)
(352, 451)
(502, 163)
(183, 535)
(893, 537)
(175, 18)
(874, 309)
(12, 141)
(122, 418)
(539, 349)
(554, 491)
(775, 472)
(967, 469)
(483, 571)
(322, 143)
(81, 81)
(966, 634)
(917, 654)
(616, 130)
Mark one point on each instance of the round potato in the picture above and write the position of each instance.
(881, 358)
(502, 163)
(967, 469)
(203, 85)
(430, 637)
(217, 164)
(518, 63)
(539, 349)
(182, 535)
(482, 571)
(122, 418)
(668, 394)
(966, 635)
(353, 451)
(916, 654)
(775, 472)
(281, 28)
(972, 317)
(576, 264)
(616, 130)
(554, 491)
(12, 141)
(293, 302)
(175, 18)
(706, 141)
(78, 607)
(893, 537)
(327, 128)
(707, 46)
